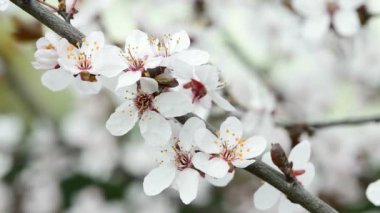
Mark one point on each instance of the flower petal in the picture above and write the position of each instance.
(108, 62)
(173, 104)
(154, 128)
(66, 56)
(221, 102)
(93, 43)
(123, 119)
(346, 22)
(179, 41)
(266, 197)
(221, 182)
(187, 182)
(128, 78)
(87, 88)
(373, 193)
(231, 131)
(300, 154)
(206, 141)
(253, 147)
(308, 176)
(208, 75)
(242, 163)
(159, 179)
(57, 79)
(214, 167)
(153, 62)
(315, 27)
(148, 85)
(137, 43)
(187, 133)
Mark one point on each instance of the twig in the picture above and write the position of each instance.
(295, 192)
(313, 126)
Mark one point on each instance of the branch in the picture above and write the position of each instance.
(295, 192)
(51, 20)
(313, 126)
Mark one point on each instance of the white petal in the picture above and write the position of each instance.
(300, 154)
(159, 179)
(206, 141)
(173, 104)
(315, 27)
(187, 182)
(87, 88)
(148, 85)
(181, 69)
(242, 163)
(308, 176)
(214, 167)
(128, 78)
(188, 131)
(57, 79)
(123, 119)
(93, 43)
(208, 75)
(286, 206)
(108, 62)
(137, 43)
(373, 193)
(221, 102)
(231, 131)
(268, 160)
(266, 197)
(155, 129)
(179, 41)
(193, 57)
(373, 6)
(153, 62)
(65, 59)
(221, 182)
(309, 8)
(346, 22)
(253, 147)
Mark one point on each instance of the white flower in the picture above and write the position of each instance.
(267, 196)
(176, 166)
(46, 55)
(373, 193)
(227, 151)
(142, 103)
(139, 55)
(4, 4)
(175, 47)
(84, 65)
(203, 81)
(320, 14)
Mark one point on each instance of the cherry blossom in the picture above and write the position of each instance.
(176, 167)
(139, 55)
(222, 154)
(267, 196)
(85, 65)
(4, 4)
(203, 81)
(142, 102)
(175, 47)
(373, 193)
(320, 14)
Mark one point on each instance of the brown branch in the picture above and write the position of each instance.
(294, 192)
(314, 126)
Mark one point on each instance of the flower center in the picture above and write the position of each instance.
(331, 8)
(197, 88)
(135, 64)
(182, 159)
(143, 102)
(84, 65)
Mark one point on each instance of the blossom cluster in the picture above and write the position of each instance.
(157, 80)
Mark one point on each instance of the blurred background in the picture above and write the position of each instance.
(282, 61)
